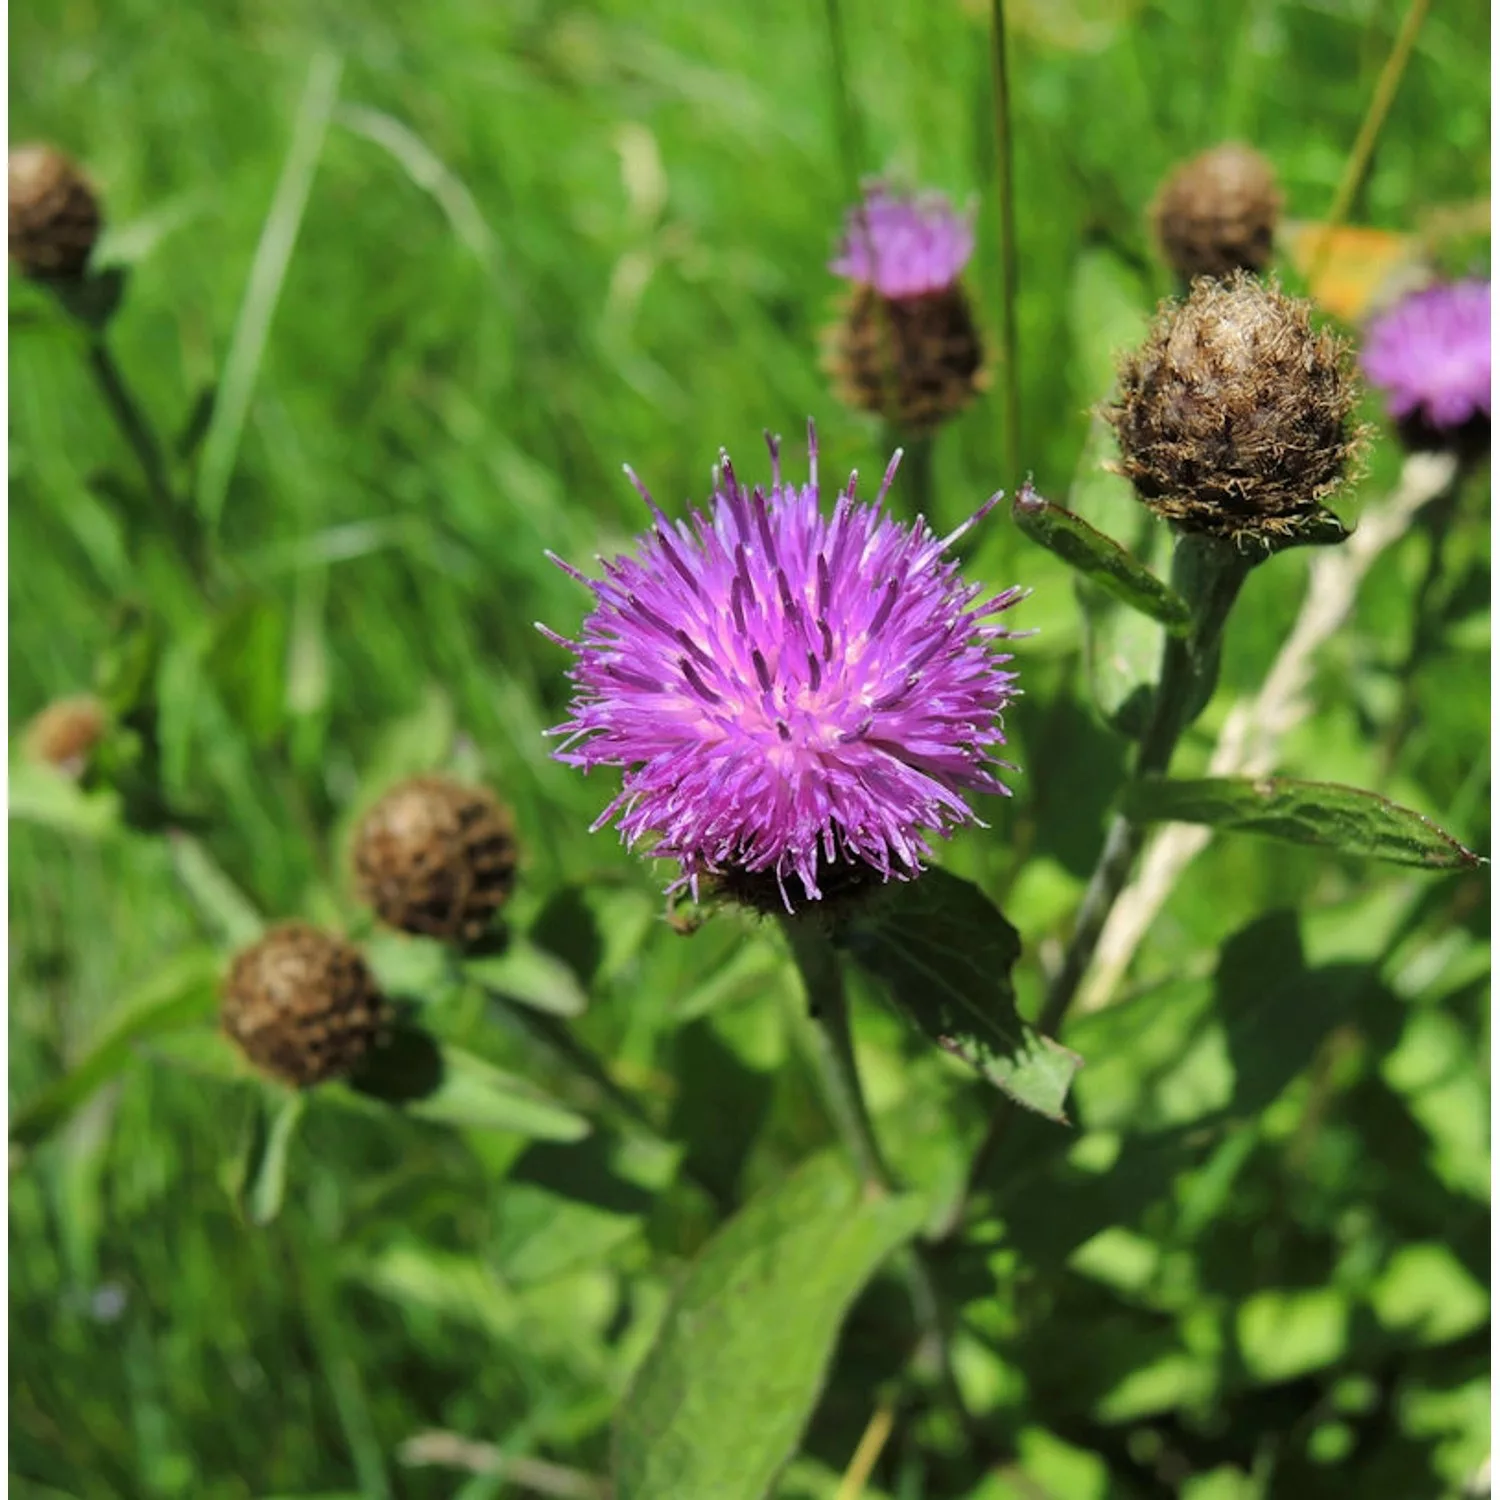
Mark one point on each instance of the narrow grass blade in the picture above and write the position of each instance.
(267, 273)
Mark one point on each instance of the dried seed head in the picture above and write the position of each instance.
(65, 732)
(436, 857)
(1216, 213)
(302, 1006)
(915, 360)
(54, 214)
(1235, 416)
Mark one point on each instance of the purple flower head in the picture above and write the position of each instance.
(1430, 354)
(789, 692)
(903, 245)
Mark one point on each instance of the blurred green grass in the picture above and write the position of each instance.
(542, 242)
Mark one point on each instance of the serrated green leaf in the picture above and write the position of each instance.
(530, 976)
(721, 1400)
(945, 953)
(182, 991)
(1100, 559)
(1321, 813)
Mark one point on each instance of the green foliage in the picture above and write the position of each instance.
(727, 1388)
(399, 289)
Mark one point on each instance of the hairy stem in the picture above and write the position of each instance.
(1208, 573)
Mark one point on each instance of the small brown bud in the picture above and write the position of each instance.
(436, 857)
(1217, 213)
(915, 360)
(1234, 418)
(65, 733)
(54, 214)
(302, 1006)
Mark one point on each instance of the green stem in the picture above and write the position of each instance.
(833, 1042)
(1010, 401)
(141, 440)
(1208, 573)
(850, 147)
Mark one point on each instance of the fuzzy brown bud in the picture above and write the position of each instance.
(915, 360)
(302, 1005)
(436, 857)
(54, 214)
(1217, 213)
(1235, 417)
(65, 733)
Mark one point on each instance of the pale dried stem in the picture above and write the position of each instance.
(1250, 742)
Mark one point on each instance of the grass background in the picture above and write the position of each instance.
(543, 241)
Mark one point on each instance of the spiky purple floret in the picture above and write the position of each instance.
(788, 690)
(904, 245)
(1430, 354)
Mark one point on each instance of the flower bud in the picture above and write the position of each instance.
(54, 214)
(436, 857)
(302, 1005)
(65, 733)
(906, 347)
(1234, 418)
(1217, 213)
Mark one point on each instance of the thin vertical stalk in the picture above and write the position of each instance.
(1364, 143)
(851, 145)
(171, 509)
(1009, 382)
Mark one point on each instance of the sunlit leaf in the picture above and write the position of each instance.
(722, 1398)
(1321, 813)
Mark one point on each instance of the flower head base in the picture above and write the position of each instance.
(792, 695)
(906, 347)
(902, 245)
(1430, 354)
(54, 214)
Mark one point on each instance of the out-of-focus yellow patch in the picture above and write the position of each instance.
(1351, 271)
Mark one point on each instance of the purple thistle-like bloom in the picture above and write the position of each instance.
(789, 692)
(904, 245)
(1430, 354)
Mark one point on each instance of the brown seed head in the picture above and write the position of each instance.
(65, 732)
(915, 360)
(1216, 213)
(302, 1006)
(54, 214)
(1234, 418)
(436, 857)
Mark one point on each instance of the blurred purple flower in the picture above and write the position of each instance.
(1430, 355)
(904, 245)
(789, 693)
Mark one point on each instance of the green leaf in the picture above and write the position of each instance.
(182, 991)
(1099, 558)
(268, 1148)
(219, 901)
(723, 1396)
(945, 953)
(1320, 813)
(530, 976)
(42, 795)
(449, 1086)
